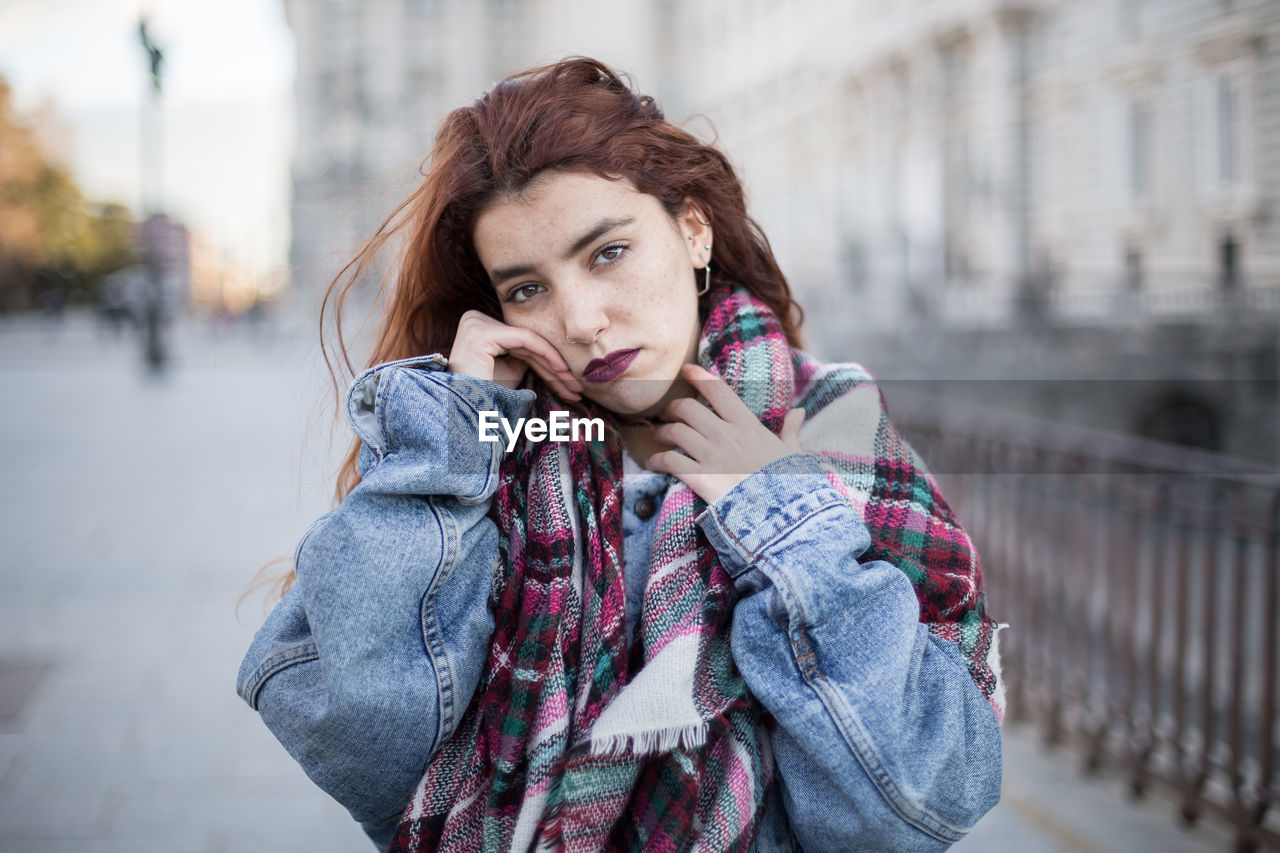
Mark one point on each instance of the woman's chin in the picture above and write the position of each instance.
(636, 398)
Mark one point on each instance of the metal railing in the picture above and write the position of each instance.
(1141, 584)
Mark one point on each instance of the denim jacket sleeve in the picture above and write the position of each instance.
(883, 740)
(367, 663)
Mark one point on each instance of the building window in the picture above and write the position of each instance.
(1139, 160)
(1133, 274)
(1228, 263)
(955, 61)
(955, 260)
(853, 260)
(1228, 133)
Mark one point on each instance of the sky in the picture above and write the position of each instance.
(227, 110)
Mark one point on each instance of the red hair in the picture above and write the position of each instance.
(574, 115)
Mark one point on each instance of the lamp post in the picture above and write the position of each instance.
(153, 205)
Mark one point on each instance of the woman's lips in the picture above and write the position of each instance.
(611, 366)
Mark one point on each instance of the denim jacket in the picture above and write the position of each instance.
(883, 741)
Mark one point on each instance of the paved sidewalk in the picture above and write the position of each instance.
(1047, 806)
(135, 512)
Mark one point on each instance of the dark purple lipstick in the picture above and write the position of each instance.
(611, 366)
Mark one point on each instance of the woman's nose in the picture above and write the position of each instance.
(584, 314)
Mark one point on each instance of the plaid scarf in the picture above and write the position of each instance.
(572, 743)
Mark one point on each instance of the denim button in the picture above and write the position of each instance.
(644, 508)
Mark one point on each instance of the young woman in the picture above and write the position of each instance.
(743, 618)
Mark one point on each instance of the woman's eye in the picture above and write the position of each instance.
(523, 293)
(611, 253)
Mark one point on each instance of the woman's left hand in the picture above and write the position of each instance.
(716, 450)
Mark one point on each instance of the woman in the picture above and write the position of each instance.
(713, 628)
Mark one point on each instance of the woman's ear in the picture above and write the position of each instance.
(695, 226)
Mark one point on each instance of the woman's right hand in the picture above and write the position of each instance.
(490, 349)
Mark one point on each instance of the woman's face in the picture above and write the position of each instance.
(606, 275)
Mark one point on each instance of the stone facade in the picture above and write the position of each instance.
(374, 79)
(1019, 189)
(975, 160)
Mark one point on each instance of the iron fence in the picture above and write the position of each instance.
(1141, 584)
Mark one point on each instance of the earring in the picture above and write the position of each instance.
(706, 277)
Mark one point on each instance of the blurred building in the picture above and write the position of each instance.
(1069, 203)
(985, 159)
(374, 79)
(1067, 206)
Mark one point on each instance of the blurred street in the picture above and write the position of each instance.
(136, 512)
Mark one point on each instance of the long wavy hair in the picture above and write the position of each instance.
(574, 115)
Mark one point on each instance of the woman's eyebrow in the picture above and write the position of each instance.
(601, 228)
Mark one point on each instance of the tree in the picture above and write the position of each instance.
(54, 244)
